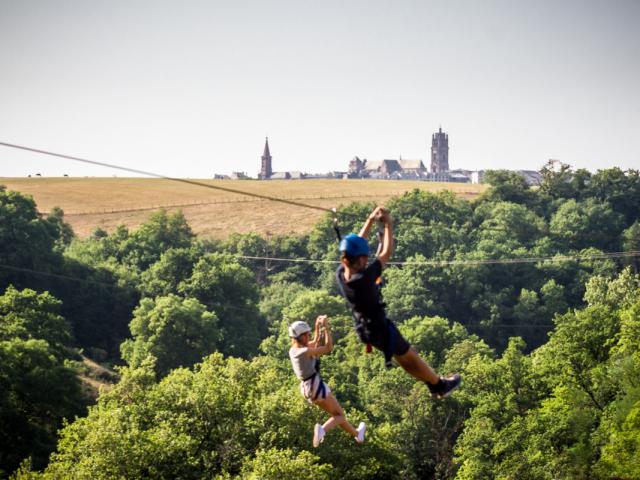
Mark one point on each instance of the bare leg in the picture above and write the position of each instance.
(338, 419)
(417, 367)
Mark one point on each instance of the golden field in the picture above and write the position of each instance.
(108, 202)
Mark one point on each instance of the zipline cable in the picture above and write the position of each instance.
(173, 179)
(333, 212)
(327, 210)
(504, 261)
(601, 256)
(54, 275)
(232, 307)
(200, 184)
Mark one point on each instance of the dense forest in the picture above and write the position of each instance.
(517, 291)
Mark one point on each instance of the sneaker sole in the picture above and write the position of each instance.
(316, 437)
(440, 396)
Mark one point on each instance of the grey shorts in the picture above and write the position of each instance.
(314, 389)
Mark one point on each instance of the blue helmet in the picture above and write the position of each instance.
(354, 245)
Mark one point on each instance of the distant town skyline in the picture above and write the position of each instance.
(388, 168)
(192, 89)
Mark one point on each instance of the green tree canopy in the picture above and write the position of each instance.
(37, 392)
(27, 241)
(173, 267)
(230, 290)
(507, 186)
(161, 232)
(578, 225)
(175, 332)
(620, 189)
(28, 315)
(274, 464)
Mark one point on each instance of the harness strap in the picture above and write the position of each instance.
(335, 224)
(380, 235)
(321, 391)
(310, 377)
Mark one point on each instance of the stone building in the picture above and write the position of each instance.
(439, 152)
(382, 167)
(239, 176)
(412, 166)
(386, 168)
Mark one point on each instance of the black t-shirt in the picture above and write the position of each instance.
(363, 294)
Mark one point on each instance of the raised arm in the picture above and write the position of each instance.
(387, 239)
(325, 335)
(315, 341)
(373, 216)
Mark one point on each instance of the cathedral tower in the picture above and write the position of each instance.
(439, 152)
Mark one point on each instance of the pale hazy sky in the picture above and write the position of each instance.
(191, 88)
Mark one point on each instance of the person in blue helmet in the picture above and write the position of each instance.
(359, 282)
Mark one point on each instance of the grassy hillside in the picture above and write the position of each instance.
(108, 202)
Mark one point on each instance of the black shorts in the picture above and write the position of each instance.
(391, 341)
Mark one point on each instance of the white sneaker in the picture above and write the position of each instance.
(318, 435)
(361, 429)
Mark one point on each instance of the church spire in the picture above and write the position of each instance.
(266, 148)
(265, 170)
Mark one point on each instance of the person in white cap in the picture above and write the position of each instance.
(304, 353)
